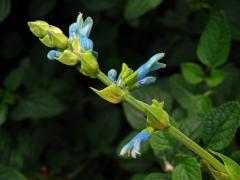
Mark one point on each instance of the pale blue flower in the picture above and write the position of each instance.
(133, 147)
(53, 54)
(151, 65)
(146, 81)
(81, 29)
(112, 75)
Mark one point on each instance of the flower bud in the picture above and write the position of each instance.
(156, 116)
(39, 28)
(112, 93)
(89, 64)
(55, 38)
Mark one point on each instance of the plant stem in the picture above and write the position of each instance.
(196, 148)
(172, 130)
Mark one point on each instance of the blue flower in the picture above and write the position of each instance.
(151, 65)
(133, 147)
(81, 29)
(53, 54)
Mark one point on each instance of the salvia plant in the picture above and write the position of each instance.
(77, 50)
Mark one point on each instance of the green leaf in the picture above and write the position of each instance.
(10, 174)
(231, 8)
(162, 143)
(137, 8)
(188, 170)
(3, 113)
(193, 73)
(231, 166)
(5, 8)
(220, 125)
(157, 176)
(214, 44)
(216, 77)
(194, 104)
(14, 79)
(37, 104)
(135, 118)
(39, 8)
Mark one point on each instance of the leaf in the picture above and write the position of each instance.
(220, 125)
(14, 79)
(3, 113)
(135, 118)
(216, 77)
(231, 8)
(194, 104)
(162, 143)
(188, 170)
(214, 44)
(40, 8)
(193, 73)
(157, 176)
(10, 174)
(137, 8)
(37, 104)
(231, 166)
(5, 8)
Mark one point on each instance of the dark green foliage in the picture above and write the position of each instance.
(54, 127)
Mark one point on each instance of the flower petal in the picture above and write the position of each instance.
(86, 43)
(146, 81)
(73, 31)
(53, 54)
(125, 149)
(86, 27)
(112, 74)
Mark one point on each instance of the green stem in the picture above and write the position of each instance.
(172, 130)
(102, 77)
(196, 148)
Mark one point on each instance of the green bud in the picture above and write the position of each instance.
(55, 38)
(112, 93)
(126, 71)
(156, 116)
(39, 28)
(68, 57)
(89, 64)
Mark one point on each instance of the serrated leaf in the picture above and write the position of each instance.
(214, 44)
(231, 166)
(10, 174)
(187, 170)
(135, 118)
(136, 8)
(157, 176)
(5, 8)
(14, 79)
(39, 8)
(192, 72)
(37, 104)
(216, 77)
(3, 113)
(220, 125)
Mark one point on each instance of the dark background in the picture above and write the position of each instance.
(56, 126)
